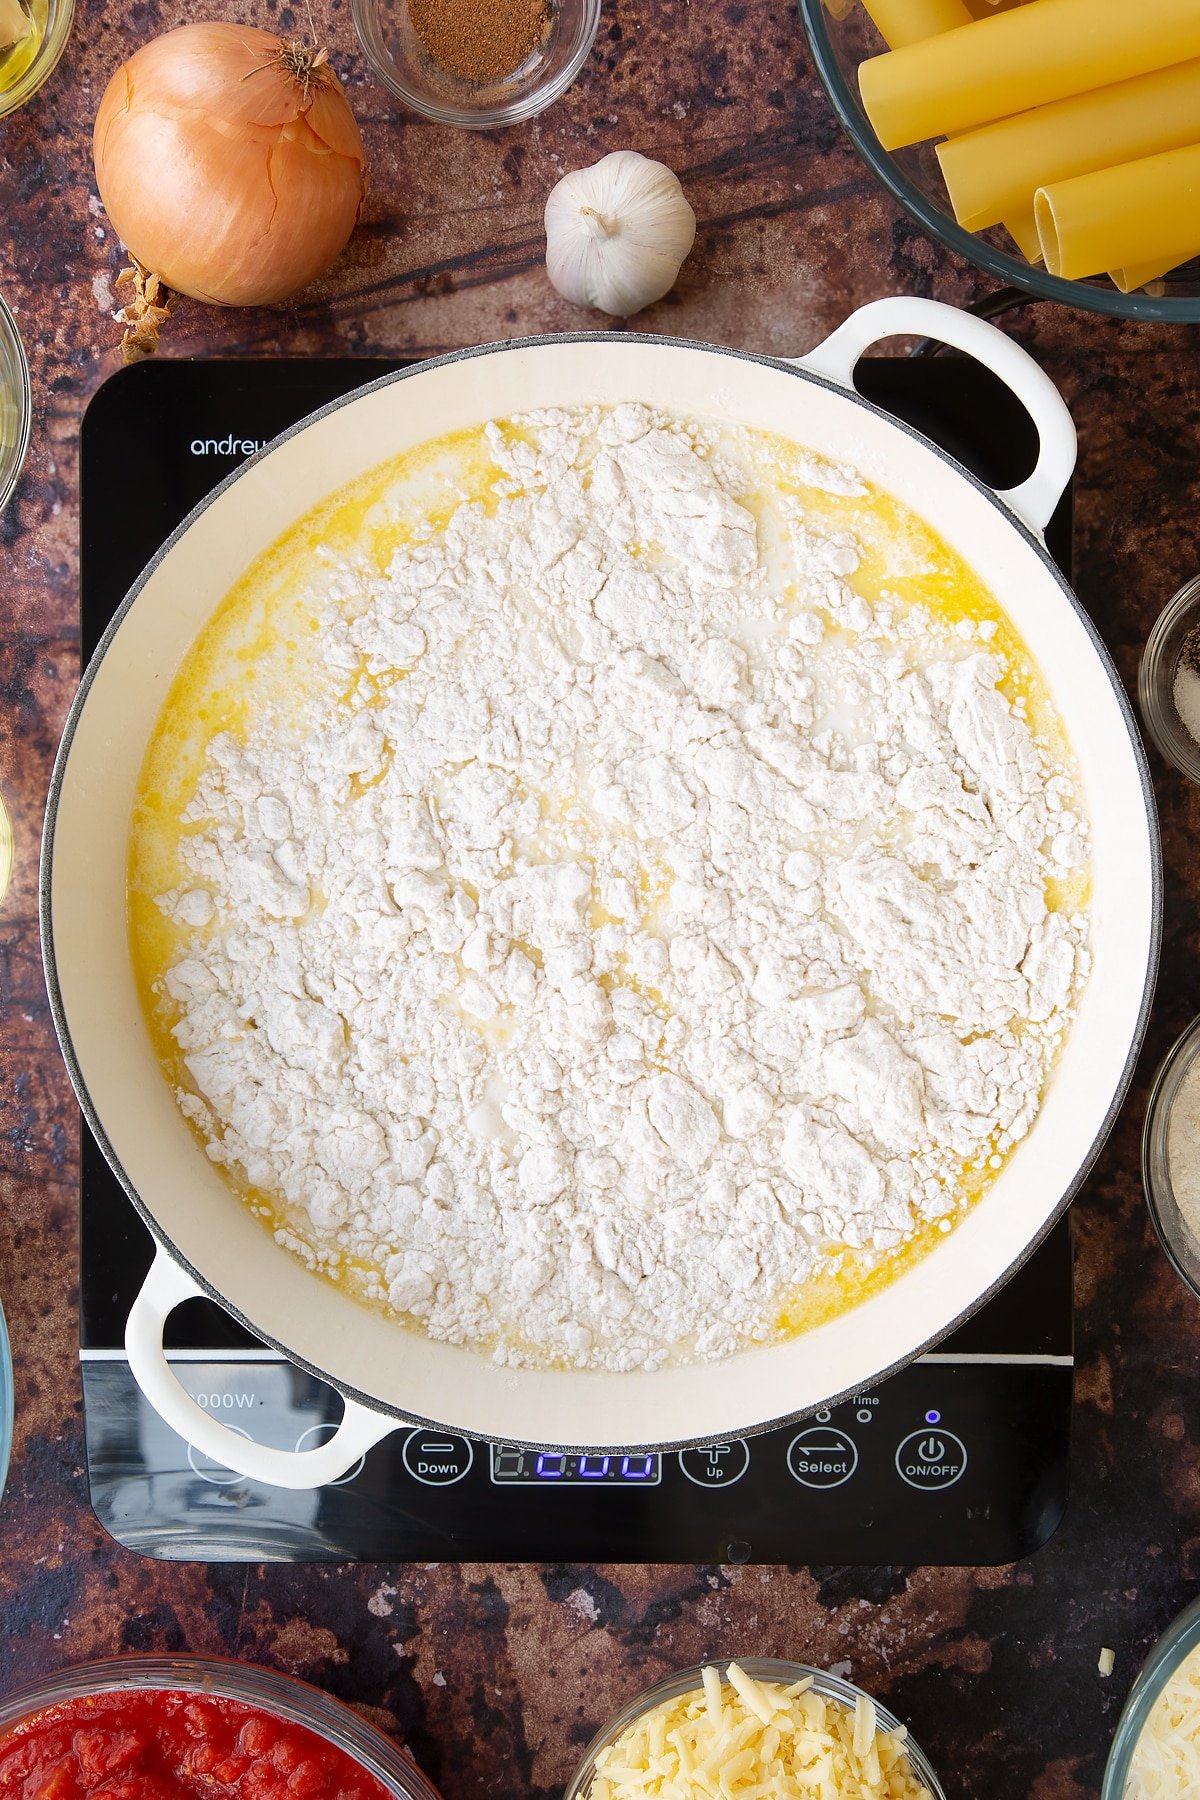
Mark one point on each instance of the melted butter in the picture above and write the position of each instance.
(854, 1275)
(259, 653)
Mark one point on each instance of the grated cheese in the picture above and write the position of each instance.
(1166, 1758)
(1107, 1662)
(744, 1739)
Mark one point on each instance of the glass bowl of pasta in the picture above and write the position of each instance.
(1072, 175)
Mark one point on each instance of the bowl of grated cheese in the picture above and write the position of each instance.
(1155, 1752)
(759, 1726)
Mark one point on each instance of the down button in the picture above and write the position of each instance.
(437, 1458)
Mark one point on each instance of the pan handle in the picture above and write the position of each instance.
(1035, 499)
(165, 1288)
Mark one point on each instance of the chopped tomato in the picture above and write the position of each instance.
(160, 1744)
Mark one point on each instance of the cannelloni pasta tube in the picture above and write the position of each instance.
(1139, 213)
(901, 22)
(994, 171)
(1021, 227)
(1138, 275)
(1028, 57)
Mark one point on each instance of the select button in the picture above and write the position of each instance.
(930, 1460)
(436, 1458)
(822, 1457)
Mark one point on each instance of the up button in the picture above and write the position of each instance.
(931, 1459)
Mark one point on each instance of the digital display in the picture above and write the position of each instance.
(560, 1468)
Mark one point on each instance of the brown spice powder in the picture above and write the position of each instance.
(481, 40)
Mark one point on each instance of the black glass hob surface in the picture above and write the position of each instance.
(961, 1458)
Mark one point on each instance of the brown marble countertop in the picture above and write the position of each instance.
(494, 1675)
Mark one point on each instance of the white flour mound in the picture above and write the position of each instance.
(677, 920)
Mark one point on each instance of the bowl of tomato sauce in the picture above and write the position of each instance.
(189, 1728)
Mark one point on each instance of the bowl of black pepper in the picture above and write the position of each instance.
(460, 63)
(1169, 681)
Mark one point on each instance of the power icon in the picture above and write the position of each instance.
(929, 1460)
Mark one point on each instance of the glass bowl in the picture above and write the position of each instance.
(6, 1402)
(6, 869)
(281, 1695)
(1156, 679)
(386, 33)
(16, 404)
(913, 177)
(1178, 1240)
(54, 17)
(762, 1668)
(1176, 1642)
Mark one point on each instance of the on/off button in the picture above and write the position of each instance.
(930, 1460)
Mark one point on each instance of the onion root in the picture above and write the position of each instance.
(145, 312)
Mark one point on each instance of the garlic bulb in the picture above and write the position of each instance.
(616, 233)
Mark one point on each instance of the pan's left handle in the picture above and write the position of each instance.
(168, 1286)
(1035, 499)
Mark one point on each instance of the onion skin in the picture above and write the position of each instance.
(235, 180)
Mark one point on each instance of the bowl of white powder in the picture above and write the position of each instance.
(1171, 1155)
(1169, 681)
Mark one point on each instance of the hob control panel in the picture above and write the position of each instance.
(947, 1461)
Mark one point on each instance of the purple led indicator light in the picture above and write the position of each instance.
(933, 1418)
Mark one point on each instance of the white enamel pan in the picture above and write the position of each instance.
(208, 1241)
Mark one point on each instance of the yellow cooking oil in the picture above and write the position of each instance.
(259, 657)
(23, 26)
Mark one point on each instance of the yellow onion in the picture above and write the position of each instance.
(229, 162)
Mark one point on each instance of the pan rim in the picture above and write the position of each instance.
(626, 341)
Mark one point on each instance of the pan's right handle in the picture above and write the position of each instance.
(165, 1288)
(902, 315)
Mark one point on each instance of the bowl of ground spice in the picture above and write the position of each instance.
(1169, 681)
(477, 63)
(1171, 1155)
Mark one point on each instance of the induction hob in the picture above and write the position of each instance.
(961, 1458)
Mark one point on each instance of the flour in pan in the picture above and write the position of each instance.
(638, 922)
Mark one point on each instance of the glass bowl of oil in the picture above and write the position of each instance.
(33, 35)
(16, 404)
